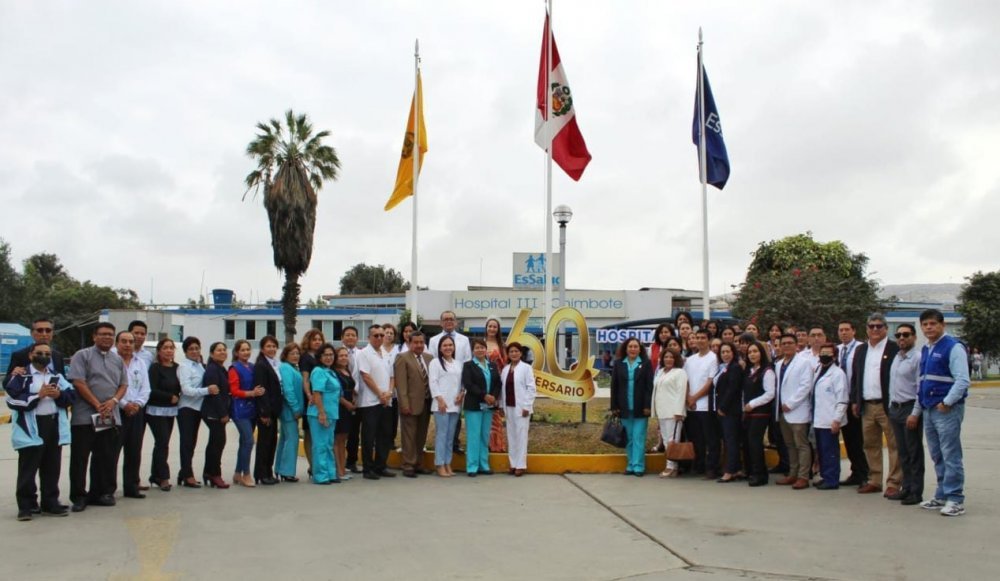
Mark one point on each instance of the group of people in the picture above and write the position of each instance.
(725, 388)
(722, 388)
(348, 401)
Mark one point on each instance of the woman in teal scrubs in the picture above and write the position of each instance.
(285, 463)
(631, 399)
(322, 413)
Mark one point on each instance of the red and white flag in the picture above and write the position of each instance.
(568, 148)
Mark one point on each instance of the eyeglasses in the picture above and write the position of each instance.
(904, 335)
(876, 326)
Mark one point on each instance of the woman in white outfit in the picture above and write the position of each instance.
(518, 398)
(446, 393)
(670, 400)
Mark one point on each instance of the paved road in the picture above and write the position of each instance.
(537, 527)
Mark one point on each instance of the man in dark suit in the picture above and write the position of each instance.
(414, 395)
(870, 401)
(42, 332)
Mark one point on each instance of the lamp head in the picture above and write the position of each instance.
(563, 214)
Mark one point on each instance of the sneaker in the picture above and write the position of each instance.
(953, 509)
(932, 504)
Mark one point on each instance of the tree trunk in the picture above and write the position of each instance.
(290, 304)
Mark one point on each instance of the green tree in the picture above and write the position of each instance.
(979, 305)
(11, 287)
(363, 279)
(292, 164)
(799, 281)
(46, 289)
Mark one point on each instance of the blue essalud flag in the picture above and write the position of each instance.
(715, 155)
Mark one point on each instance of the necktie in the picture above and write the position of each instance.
(843, 357)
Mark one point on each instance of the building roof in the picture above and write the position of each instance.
(14, 329)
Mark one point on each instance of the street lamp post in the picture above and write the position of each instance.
(563, 214)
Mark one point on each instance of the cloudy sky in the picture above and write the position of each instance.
(123, 126)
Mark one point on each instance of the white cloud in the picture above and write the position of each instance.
(125, 125)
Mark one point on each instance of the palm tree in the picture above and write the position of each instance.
(291, 169)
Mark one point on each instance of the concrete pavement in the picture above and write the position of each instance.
(535, 527)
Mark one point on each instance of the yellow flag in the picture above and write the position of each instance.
(404, 176)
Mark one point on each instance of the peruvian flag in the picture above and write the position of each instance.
(568, 148)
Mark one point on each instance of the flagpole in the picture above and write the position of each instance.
(702, 153)
(414, 289)
(548, 167)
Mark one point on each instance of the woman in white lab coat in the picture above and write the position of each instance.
(517, 398)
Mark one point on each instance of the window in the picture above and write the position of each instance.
(229, 331)
(338, 330)
(272, 328)
(251, 330)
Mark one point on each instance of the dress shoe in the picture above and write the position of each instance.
(470, 474)
(511, 471)
(778, 470)
(852, 481)
(519, 472)
(486, 472)
(869, 489)
(371, 476)
(825, 486)
(786, 481)
(189, 482)
(58, 510)
(409, 474)
(354, 468)
(216, 482)
(384, 473)
(725, 480)
(289, 479)
(36, 509)
(103, 500)
(163, 485)
(639, 473)
(911, 500)
(134, 494)
(894, 494)
(424, 471)
(79, 506)
(757, 481)
(627, 473)
(24, 514)
(269, 481)
(800, 484)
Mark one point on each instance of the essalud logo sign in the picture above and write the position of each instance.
(572, 385)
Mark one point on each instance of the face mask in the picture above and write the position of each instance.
(826, 359)
(41, 360)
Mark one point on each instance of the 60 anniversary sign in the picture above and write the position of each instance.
(573, 385)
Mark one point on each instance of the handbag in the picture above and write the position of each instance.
(679, 451)
(614, 432)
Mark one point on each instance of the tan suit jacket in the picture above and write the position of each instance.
(412, 381)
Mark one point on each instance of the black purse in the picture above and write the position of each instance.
(614, 432)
